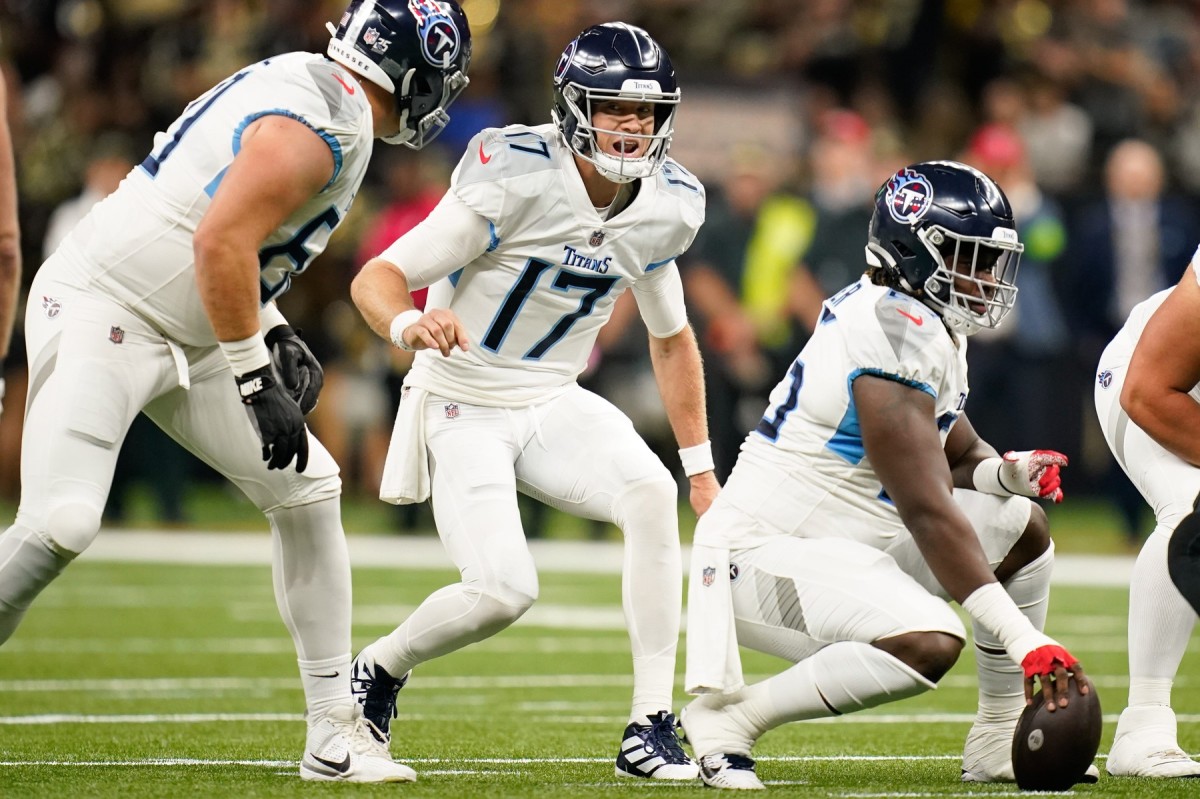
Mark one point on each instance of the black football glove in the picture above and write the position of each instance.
(276, 418)
(299, 369)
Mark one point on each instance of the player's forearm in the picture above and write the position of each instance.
(10, 282)
(680, 376)
(227, 279)
(380, 292)
(948, 544)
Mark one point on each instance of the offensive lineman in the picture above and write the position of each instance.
(1148, 403)
(864, 497)
(542, 229)
(160, 301)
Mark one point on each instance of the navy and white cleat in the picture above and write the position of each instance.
(653, 751)
(732, 772)
(376, 690)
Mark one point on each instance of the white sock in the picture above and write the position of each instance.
(1160, 624)
(841, 678)
(651, 593)
(326, 684)
(311, 573)
(1002, 682)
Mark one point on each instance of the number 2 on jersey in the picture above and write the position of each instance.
(596, 286)
(769, 426)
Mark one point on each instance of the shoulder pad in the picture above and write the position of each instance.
(499, 153)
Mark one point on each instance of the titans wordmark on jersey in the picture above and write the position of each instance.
(535, 299)
(136, 245)
(803, 469)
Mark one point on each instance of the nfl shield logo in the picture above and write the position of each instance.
(116, 335)
(597, 238)
(710, 574)
(452, 410)
(370, 36)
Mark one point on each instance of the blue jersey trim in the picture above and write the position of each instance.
(456, 276)
(493, 239)
(846, 442)
(211, 188)
(657, 264)
(334, 145)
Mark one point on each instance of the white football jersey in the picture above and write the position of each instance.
(136, 245)
(803, 470)
(534, 300)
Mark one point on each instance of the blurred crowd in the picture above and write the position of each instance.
(1087, 112)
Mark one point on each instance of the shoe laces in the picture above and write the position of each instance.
(659, 737)
(363, 681)
(359, 737)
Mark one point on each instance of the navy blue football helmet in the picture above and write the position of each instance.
(946, 232)
(418, 50)
(621, 62)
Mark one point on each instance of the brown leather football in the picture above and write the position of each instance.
(1051, 751)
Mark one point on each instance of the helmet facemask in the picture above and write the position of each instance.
(581, 134)
(973, 286)
(421, 103)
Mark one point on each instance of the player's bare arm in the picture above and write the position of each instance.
(281, 165)
(381, 293)
(905, 449)
(975, 464)
(1165, 366)
(680, 375)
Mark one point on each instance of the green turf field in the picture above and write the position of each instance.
(169, 680)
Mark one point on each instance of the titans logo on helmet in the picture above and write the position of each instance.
(564, 60)
(909, 196)
(440, 38)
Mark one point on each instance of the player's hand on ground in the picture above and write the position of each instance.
(1034, 473)
(438, 329)
(1051, 666)
(299, 369)
(276, 418)
(704, 488)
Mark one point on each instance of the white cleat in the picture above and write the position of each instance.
(732, 772)
(341, 748)
(987, 755)
(1147, 745)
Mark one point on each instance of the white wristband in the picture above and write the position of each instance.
(400, 324)
(987, 477)
(270, 317)
(697, 460)
(992, 607)
(246, 355)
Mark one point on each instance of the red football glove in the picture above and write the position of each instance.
(1045, 659)
(1034, 473)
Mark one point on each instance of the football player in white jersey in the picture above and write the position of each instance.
(864, 499)
(160, 302)
(542, 229)
(1148, 399)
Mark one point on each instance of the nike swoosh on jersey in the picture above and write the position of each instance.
(916, 320)
(349, 89)
(339, 767)
(482, 157)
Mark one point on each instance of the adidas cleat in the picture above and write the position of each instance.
(653, 751)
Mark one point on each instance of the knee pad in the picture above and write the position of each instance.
(651, 504)
(1183, 558)
(70, 529)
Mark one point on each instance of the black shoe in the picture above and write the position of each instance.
(376, 691)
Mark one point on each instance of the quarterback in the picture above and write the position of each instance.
(864, 499)
(160, 302)
(542, 229)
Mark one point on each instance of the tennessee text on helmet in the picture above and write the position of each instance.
(615, 61)
(946, 233)
(419, 50)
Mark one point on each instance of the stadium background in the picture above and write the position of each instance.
(799, 106)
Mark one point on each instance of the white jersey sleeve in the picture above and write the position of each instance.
(136, 245)
(806, 458)
(452, 235)
(546, 277)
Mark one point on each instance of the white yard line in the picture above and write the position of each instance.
(425, 552)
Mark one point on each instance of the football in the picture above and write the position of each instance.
(1051, 751)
